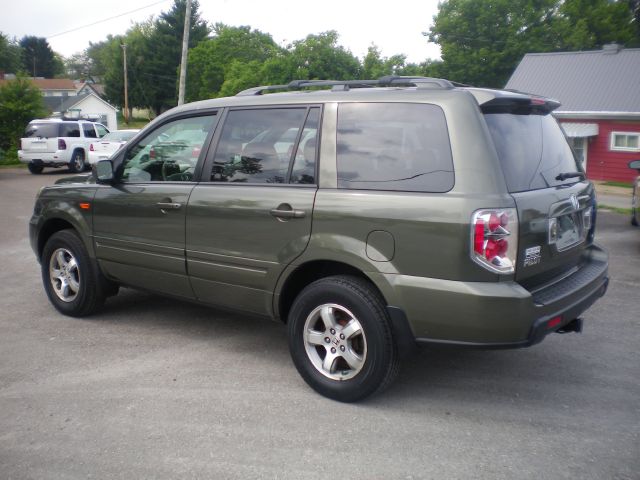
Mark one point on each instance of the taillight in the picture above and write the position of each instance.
(91, 148)
(495, 239)
(62, 145)
(152, 153)
(195, 152)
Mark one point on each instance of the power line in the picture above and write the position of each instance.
(106, 19)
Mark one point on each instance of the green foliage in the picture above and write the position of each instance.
(164, 48)
(10, 55)
(153, 58)
(374, 65)
(213, 60)
(20, 102)
(589, 24)
(482, 41)
(239, 57)
(320, 57)
(38, 58)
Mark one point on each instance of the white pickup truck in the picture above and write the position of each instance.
(58, 143)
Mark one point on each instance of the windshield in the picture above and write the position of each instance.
(532, 149)
(43, 130)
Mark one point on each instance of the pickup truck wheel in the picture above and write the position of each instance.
(69, 277)
(77, 164)
(35, 169)
(340, 339)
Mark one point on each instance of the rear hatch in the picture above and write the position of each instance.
(555, 202)
(41, 137)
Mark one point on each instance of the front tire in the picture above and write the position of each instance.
(340, 339)
(70, 279)
(77, 163)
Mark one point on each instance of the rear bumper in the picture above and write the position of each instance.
(95, 157)
(60, 157)
(498, 314)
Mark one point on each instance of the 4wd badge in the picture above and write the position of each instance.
(532, 256)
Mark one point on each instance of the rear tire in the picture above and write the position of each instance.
(35, 169)
(77, 163)
(73, 284)
(340, 339)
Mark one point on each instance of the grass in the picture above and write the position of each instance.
(622, 211)
(9, 159)
(617, 184)
(133, 123)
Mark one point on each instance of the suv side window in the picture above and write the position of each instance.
(304, 167)
(102, 131)
(89, 131)
(393, 146)
(69, 130)
(168, 153)
(258, 145)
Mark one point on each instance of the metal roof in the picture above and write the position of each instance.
(605, 80)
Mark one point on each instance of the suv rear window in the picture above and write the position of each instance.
(43, 130)
(532, 150)
(393, 146)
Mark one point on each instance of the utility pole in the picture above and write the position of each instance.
(185, 50)
(126, 93)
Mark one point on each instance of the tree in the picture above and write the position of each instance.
(10, 55)
(164, 52)
(374, 65)
(483, 40)
(214, 60)
(20, 102)
(141, 91)
(320, 57)
(589, 24)
(38, 58)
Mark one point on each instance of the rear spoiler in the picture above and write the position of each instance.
(508, 101)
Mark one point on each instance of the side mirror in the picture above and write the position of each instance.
(635, 164)
(104, 171)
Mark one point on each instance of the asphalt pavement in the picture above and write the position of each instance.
(155, 388)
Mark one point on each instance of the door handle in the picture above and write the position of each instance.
(282, 212)
(169, 205)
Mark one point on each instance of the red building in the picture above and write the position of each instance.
(600, 95)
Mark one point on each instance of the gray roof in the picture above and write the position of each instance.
(595, 81)
(62, 104)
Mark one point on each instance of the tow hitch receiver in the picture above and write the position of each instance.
(574, 325)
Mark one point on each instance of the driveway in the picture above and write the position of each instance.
(156, 388)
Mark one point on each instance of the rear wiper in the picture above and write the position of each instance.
(564, 176)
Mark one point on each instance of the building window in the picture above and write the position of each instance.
(625, 141)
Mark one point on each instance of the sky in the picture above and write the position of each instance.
(394, 28)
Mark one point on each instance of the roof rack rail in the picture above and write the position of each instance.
(341, 85)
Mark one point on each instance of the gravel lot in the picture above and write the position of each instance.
(155, 388)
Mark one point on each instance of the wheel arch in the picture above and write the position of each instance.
(62, 222)
(81, 149)
(302, 275)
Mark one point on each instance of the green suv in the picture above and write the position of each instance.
(369, 216)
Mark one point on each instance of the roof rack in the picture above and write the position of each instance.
(344, 85)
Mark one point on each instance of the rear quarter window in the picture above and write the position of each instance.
(393, 146)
